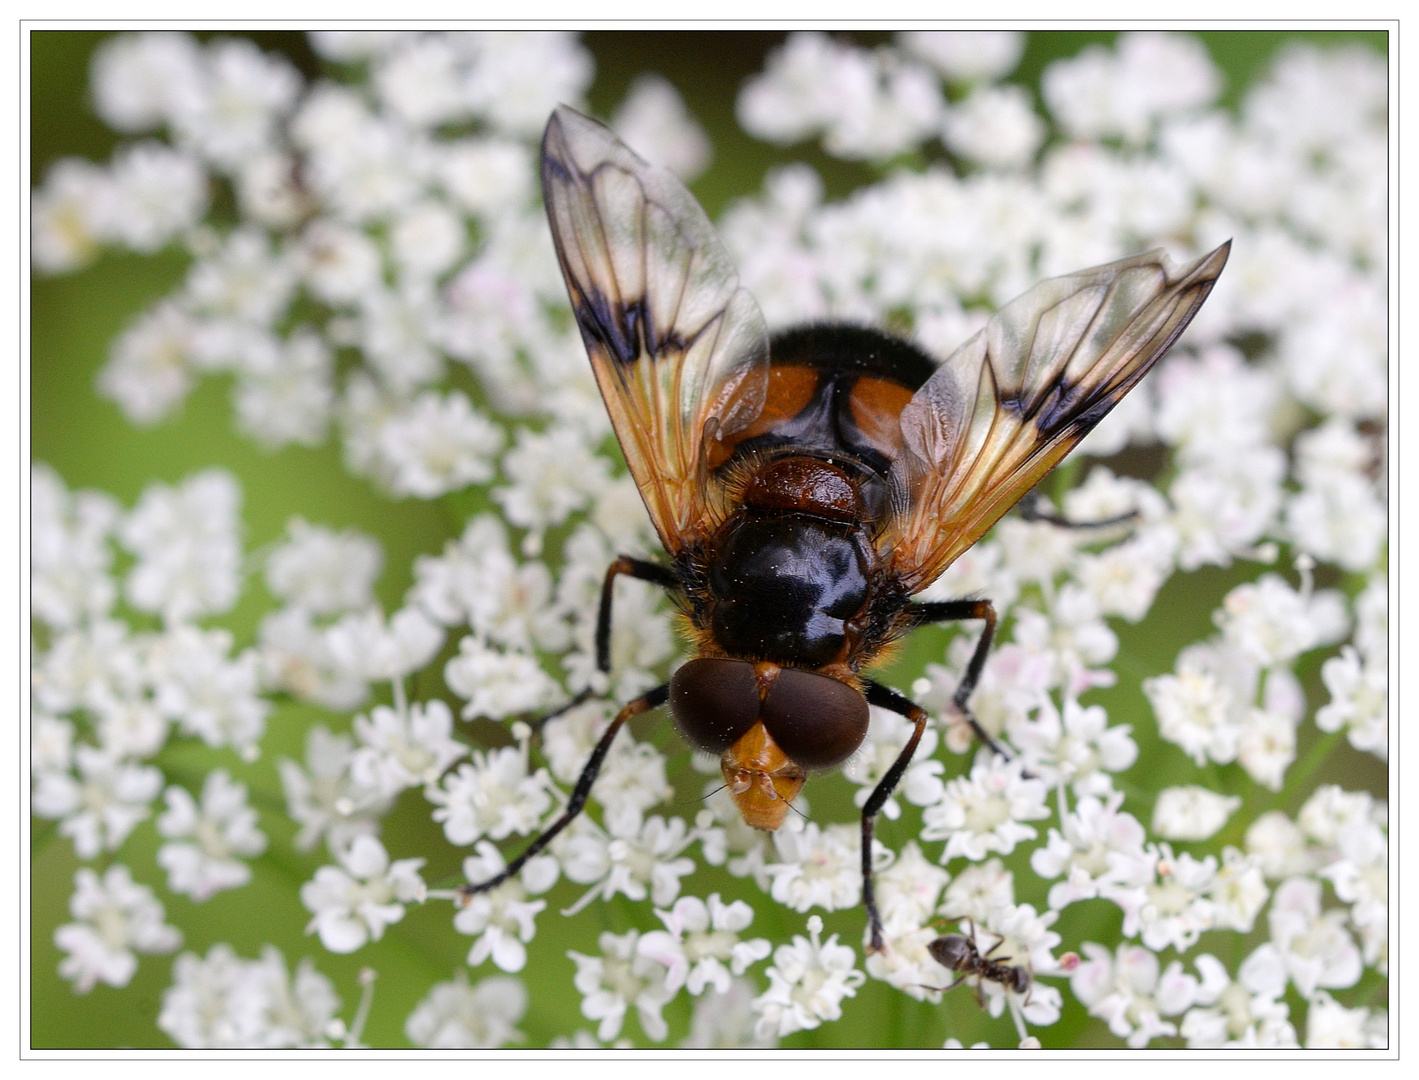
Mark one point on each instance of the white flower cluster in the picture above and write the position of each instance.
(390, 277)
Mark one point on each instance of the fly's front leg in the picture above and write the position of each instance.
(580, 793)
(887, 698)
(952, 611)
(635, 568)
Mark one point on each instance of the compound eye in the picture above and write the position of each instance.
(714, 701)
(816, 720)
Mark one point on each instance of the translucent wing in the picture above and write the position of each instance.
(680, 351)
(1006, 406)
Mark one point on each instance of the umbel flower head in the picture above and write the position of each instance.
(291, 674)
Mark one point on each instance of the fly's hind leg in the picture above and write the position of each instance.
(953, 611)
(887, 698)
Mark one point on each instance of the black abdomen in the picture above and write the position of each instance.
(784, 587)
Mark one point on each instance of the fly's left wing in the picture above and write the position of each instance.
(1006, 406)
(679, 349)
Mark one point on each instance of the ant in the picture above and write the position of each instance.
(960, 953)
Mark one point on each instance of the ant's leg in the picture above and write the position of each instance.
(886, 698)
(952, 611)
(636, 568)
(580, 793)
(1030, 511)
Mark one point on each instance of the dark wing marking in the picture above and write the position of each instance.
(680, 351)
(1006, 406)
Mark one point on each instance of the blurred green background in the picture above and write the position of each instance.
(86, 439)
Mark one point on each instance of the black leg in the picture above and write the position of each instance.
(951, 611)
(636, 568)
(1030, 511)
(580, 793)
(887, 698)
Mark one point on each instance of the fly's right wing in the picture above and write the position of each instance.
(1006, 406)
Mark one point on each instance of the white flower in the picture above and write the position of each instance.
(70, 216)
(427, 239)
(616, 980)
(100, 806)
(632, 779)
(1273, 624)
(700, 944)
(326, 801)
(994, 126)
(324, 571)
(1077, 747)
(456, 1016)
(552, 475)
(725, 1021)
(366, 646)
(117, 917)
(907, 890)
(502, 919)
(497, 683)
(634, 857)
(300, 1010)
(1091, 840)
(1330, 1025)
(477, 580)
(69, 554)
(439, 444)
(807, 983)
(1238, 891)
(188, 548)
(158, 193)
(218, 833)
(289, 395)
(487, 175)
(1241, 1014)
(1195, 710)
(1279, 846)
(204, 692)
(978, 890)
(353, 903)
(817, 867)
(137, 78)
(1098, 93)
(1191, 812)
(223, 1001)
(1313, 945)
(1127, 991)
(235, 109)
(338, 264)
(244, 280)
(1359, 692)
(420, 80)
(404, 748)
(213, 1002)
(966, 56)
(493, 795)
(517, 77)
(985, 811)
(51, 743)
(654, 122)
(1165, 898)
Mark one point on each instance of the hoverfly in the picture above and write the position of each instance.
(805, 487)
(961, 954)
